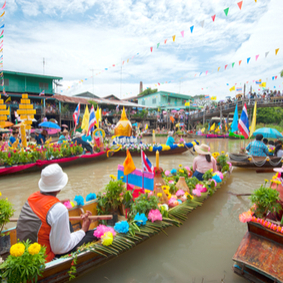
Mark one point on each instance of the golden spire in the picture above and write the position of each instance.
(123, 115)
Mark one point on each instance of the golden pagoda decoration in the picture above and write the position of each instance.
(26, 113)
(3, 113)
(124, 126)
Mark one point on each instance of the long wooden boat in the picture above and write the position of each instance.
(40, 164)
(234, 136)
(256, 162)
(259, 258)
(179, 150)
(57, 270)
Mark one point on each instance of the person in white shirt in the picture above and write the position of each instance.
(44, 219)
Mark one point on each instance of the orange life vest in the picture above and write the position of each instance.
(41, 204)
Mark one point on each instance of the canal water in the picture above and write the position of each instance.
(201, 250)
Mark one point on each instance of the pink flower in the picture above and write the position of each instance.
(9, 154)
(188, 168)
(68, 204)
(173, 201)
(101, 229)
(201, 188)
(180, 193)
(167, 173)
(245, 216)
(230, 164)
(197, 193)
(154, 215)
(171, 182)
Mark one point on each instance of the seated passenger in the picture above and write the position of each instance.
(85, 137)
(63, 136)
(170, 140)
(203, 162)
(257, 147)
(85, 145)
(44, 219)
(278, 151)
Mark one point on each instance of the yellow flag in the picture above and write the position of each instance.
(217, 130)
(232, 88)
(97, 117)
(212, 127)
(276, 51)
(187, 104)
(263, 84)
(213, 97)
(252, 128)
(174, 37)
(128, 164)
(218, 69)
(8, 99)
(85, 121)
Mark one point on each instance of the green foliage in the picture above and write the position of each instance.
(222, 160)
(265, 200)
(192, 182)
(64, 108)
(207, 175)
(112, 196)
(225, 168)
(92, 103)
(269, 115)
(6, 211)
(73, 270)
(148, 91)
(144, 203)
(141, 114)
(24, 268)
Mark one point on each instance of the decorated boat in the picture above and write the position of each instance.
(234, 136)
(216, 136)
(259, 255)
(255, 162)
(169, 201)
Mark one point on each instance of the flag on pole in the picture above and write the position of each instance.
(146, 126)
(234, 126)
(128, 164)
(92, 121)
(208, 129)
(212, 127)
(76, 114)
(85, 119)
(253, 122)
(146, 164)
(244, 122)
(42, 93)
(8, 99)
(238, 89)
(232, 88)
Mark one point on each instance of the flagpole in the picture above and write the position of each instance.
(142, 171)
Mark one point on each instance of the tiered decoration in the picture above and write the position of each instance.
(26, 113)
(3, 112)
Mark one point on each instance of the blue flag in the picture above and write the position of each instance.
(234, 126)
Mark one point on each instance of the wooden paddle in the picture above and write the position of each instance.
(93, 218)
(239, 195)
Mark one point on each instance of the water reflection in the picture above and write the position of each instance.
(199, 250)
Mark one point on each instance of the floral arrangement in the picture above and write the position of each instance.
(154, 215)
(102, 229)
(6, 211)
(25, 263)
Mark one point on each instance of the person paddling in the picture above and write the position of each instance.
(203, 162)
(44, 219)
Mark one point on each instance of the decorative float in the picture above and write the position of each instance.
(259, 255)
(141, 203)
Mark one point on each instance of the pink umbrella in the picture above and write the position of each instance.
(174, 111)
(64, 126)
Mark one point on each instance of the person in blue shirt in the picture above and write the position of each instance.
(14, 137)
(43, 137)
(63, 136)
(170, 140)
(85, 137)
(37, 138)
(257, 147)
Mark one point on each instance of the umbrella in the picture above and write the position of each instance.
(268, 133)
(64, 126)
(174, 111)
(49, 125)
(8, 124)
(4, 130)
(182, 110)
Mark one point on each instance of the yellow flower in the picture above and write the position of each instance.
(17, 249)
(159, 195)
(107, 239)
(181, 171)
(249, 158)
(113, 177)
(265, 180)
(169, 196)
(267, 159)
(0, 194)
(222, 152)
(147, 191)
(180, 165)
(34, 248)
(211, 170)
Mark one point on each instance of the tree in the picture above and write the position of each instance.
(148, 91)
(281, 74)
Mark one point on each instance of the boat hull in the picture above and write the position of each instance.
(259, 258)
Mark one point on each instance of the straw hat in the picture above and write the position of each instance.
(278, 169)
(65, 131)
(52, 179)
(202, 149)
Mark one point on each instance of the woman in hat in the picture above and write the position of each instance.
(63, 136)
(203, 162)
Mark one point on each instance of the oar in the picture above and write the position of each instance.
(94, 218)
(189, 150)
(239, 195)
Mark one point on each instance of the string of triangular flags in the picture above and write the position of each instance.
(2, 12)
(205, 73)
(130, 58)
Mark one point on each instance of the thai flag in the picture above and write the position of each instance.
(146, 164)
(42, 93)
(258, 82)
(117, 107)
(92, 121)
(76, 115)
(244, 122)
(207, 97)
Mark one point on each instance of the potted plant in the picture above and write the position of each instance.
(6, 211)
(109, 200)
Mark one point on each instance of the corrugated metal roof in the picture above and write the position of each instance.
(32, 75)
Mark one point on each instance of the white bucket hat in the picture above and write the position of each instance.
(52, 179)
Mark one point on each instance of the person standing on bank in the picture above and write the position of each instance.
(203, 162)
(44, 219)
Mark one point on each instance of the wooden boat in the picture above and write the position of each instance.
(259, 258)
(57, 270)
(40, 164)
(256, 162)
(178, 150)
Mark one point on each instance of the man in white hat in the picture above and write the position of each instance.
(44, 219)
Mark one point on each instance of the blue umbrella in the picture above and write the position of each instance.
(49, 125)
(268, 133)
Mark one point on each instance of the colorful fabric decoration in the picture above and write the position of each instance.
(201, 188)
(196, 193)
(72, 204)
(167, 173)
(90, 196)
(216, 178)
(173, 171)
(107, 239)
(67, 204)
(154, 215)
(80, 200)
(102, 229)
(140, 219)
(220, 174)
(122, 227)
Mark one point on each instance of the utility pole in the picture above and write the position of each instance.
(43, 62)
(92, 80)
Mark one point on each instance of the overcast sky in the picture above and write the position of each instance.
(79, 38)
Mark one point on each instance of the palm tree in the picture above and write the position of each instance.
(281, 74)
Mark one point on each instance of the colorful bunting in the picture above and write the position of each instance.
(151, 48)
(213, 17)
(218, 69)
(226, 11)
(240, 4)
(276, 51)
(248, 60)
(266, 53)
(206, 72)
(192, 28)
(226, 66)
(202, 23)
(233, 65)
(240, 62)
(158, 45)
(3, 5)
(2, 14)
(182, 33)
(174, 37)
(165, 41)
(256, 57)
(232, 88)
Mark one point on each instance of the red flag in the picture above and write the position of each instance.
(240, 4)
(226, 66)
(165, 41)
(151, 48)
(240, 62)
(213, 17)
